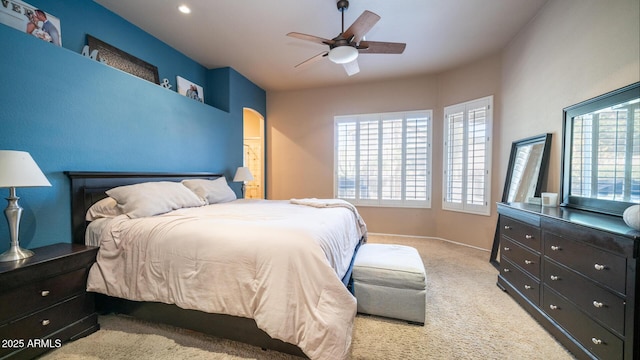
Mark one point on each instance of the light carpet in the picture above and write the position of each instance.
(467, 317)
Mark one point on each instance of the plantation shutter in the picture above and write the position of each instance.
(384, 159)
(467, 157)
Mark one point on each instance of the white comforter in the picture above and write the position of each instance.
(272, 261)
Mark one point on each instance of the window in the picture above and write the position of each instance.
(384, 159)
(601, 162)
(602, 155)
(467, 156)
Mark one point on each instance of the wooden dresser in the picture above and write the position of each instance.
(43, 301)
(576, 273)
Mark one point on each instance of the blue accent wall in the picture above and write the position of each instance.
(73, 113)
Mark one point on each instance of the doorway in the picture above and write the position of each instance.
(254, 152)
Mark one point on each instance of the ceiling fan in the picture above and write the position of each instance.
(344, 48)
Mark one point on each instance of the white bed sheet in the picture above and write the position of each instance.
(275, 262)
(94, 231)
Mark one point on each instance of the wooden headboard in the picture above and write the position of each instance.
(89, 187)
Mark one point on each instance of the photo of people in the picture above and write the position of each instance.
(190, 90)
(34, 21)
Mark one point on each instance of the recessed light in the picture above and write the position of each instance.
(184, 9)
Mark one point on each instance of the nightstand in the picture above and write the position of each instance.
(43, 300)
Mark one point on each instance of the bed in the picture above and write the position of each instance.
(298, 303)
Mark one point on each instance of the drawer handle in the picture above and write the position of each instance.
(598, 267)
(555, 247)
(506, 248)
(44, 293)
(45, 322)
(507, 227)
(597, 304)
(506, 270)
(528, 262)
(596, 341)
(528, 237)
(554, 277)
(553, 307)
(528, 287)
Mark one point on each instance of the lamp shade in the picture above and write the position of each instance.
(17, 169)
(343, 54)
(243, 174)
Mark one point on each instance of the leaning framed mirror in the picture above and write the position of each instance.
(527, 169)
(526, 176)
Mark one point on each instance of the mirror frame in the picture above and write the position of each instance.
(541, 181)
(616, 208)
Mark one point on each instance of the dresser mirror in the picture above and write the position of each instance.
(526, 176)
(601, 152)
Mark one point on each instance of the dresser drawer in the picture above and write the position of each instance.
(47, 321)
(599, 303)
(524, 283)
(608, 269)
(594, 337)
(31, 297)
(518, 231)
(521, 256)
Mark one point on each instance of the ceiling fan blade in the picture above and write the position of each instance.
(315, 39)
(361, 26)
(313, 59)
(352, 68)
(381, 47)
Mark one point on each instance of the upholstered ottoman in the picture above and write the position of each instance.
(390, 281)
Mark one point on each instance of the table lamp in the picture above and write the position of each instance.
(243, 174)
(17, 169)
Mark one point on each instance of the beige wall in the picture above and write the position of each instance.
(300, 138)
(474, 81)
(548, 66)
(573, 51)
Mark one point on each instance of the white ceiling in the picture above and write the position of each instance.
(250, 35)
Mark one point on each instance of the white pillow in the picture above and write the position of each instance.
(105, 208)
(153, 198)
(211, 191)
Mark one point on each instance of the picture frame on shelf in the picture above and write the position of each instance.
(28, 18)
(124, 61)
(190, 89)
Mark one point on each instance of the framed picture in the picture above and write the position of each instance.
(189, 89)
(119, 59)
(24, 17)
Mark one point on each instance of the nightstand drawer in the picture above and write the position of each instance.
(47, 321)
(526, 259)
(31, 297)
(606, 268)
(524, 283)
(594, 337)
(518, 231)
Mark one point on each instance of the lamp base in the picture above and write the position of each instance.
(13, 212)
(15, 253)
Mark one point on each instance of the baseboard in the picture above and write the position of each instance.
(433, 238)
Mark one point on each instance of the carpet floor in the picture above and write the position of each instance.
(467, 317)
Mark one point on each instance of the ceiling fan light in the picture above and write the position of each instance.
(343, 54)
